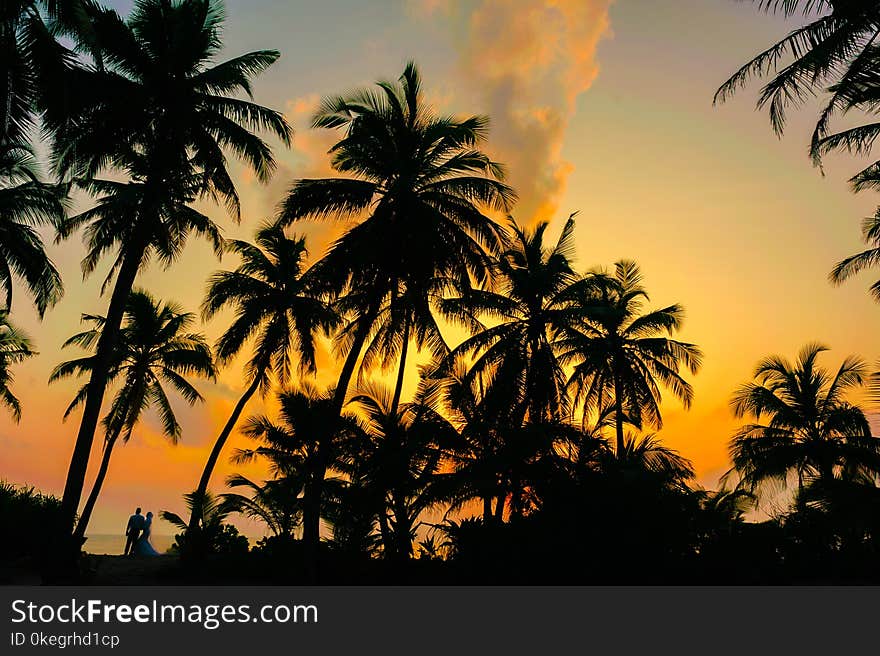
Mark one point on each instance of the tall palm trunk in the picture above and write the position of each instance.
(312, 498)
(387, 537)
(401, 370)
(499, 505)
(618, 414)
(487, 510)
(313, 493)
(351, 360)
(214, 456)
(86, 514)
(79, 461)
(516, 494)
(403, 538)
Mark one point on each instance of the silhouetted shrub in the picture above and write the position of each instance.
(28, 517)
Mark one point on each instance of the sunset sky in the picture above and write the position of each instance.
(597, 107)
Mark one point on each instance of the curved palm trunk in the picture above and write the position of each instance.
(79, 461)
(86, 514)
(214, 456)
(401, 369)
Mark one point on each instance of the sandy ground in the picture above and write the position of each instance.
(127, 570)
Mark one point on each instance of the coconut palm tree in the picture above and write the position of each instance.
(17, 93)
(396, 458)
(837, 44)
(25, 204)
(419, 181)
(868, 258)
(159, 113)
(802, 423)
(276, 503)
(300, 447)
(214, 535)
(21, 29)
(15, 347)
(529, 305)
(647, 453)
(476, 459)
(31, 56)
(277, 311)
(621, 356)
(155, 350)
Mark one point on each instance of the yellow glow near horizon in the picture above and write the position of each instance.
(597, 109)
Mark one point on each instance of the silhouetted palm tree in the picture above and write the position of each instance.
(277, 311)
(155, 349)
(31, 57)
(529, 305)
(25, 204)
(477, 458)
(160, 113)
(857, 263)
(23, 40)
(804, 425)
(621, 356)
(647, 453)
(17, 92)
(420, 180)
(397, 457)
(14, 348)
(850, 504)
(857, 93)
(276, 503)
(300, 447)
(213, 534)
(834, 48)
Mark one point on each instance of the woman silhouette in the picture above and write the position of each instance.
(143, 547)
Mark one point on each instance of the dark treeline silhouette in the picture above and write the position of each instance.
(528, 451)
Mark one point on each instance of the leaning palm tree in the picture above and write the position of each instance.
(277, 310)
(621, 356)
(25, 204)
(14, 348)
(420, 182)
(154, 109)
(802, 423)
(155, 349)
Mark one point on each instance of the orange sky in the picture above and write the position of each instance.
(605, 111)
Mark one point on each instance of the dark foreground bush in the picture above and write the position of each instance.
(29, 517)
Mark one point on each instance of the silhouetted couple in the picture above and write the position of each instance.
(137, 534)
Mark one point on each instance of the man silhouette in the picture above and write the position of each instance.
(133, 530)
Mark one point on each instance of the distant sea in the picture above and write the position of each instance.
(115, 544)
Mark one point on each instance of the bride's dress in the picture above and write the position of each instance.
(143, 547)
